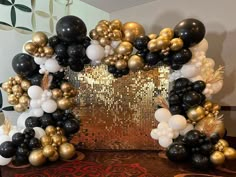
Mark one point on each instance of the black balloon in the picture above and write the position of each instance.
(62, 61)
(53, 41)
(71, 126)
(32, 122)
(182, 56)
(177, 152)
(207, 148)
(59, 75)
(112, 69)
(200, 161)
(85, 60)
(152, 58)
(34, 143)
(199, 86)
(7, 149)
(125, 71)
(22, 151)
(192, 137)
(141, 42)
(36, 79)
(191, 31)
(61, 50)
(214, 138)
(86, 42)
(46, 120)
(58, 115)
(174, 99)
(29, 132)
(18, 138)
(20, 160)
(24, 65)
(76, 51)
(75, 64)
(192, 98)
(176, 66)
(181, 83)
(176, 109)
(71, 29)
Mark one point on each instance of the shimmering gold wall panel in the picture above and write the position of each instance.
(118, 113)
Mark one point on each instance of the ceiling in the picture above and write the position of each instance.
(114, 5)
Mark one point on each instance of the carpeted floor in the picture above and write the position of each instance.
(119, 164)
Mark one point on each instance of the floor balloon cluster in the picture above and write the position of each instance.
(190, 126)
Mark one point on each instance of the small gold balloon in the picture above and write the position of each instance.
(216, 107)
(64, 103)
(195, 114)
(124, 48)
(5, 86)
(135, 63)
(63, 139)
(40, 39)
(208, 105)
(103, 41)
(57, 93)
(152, 45)
(50, 130)
(66, 151)
(217, 158)
(176, 44)
(46, 140)
(54, 157)
(103, 22)
(25, 85)
(20, 108)
(132, 30)
(66, 87)
(167, 32)
(93, 34)
(24, 100)
(223, 143)
(48, 51)
(12, 99)
(31, 48)
(36, 157)
(162, 43)
(121, 64)
(18, 79)
(117, 35)
(152, 36)
(56, 139)
(73, 92)
(116, 25)
(17, 89)
(48, 150)
(100, 28)
(230, 153)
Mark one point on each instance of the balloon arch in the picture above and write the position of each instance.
(190, 125)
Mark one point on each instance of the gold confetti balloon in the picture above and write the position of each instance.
(36, 158)
(40, 39)
(66, 151)
(132, 30)
(135, 63)
(217, 158)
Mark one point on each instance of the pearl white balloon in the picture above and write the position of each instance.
(35, 92)
(39, 132)
(4, 138)
(187, 129)
(190, 70)
(38, 112)
(197, 78)
(95, 52)
(4, 161)
(154, 134)
(52, 65)
(202, 47)
(35, 103)
(217, 86)
(49, 106)
(163, 125)
(39, 60)
(21, 119)
(162, 115)
(177, 122)
(176, 134)
(165, 141)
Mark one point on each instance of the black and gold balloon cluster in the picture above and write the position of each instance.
(16, 88)
(54, 146)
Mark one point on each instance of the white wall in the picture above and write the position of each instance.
(219, 19)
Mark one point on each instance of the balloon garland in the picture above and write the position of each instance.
(190, 125)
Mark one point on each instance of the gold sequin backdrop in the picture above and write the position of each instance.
(118, 113)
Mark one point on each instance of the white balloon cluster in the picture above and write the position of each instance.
(169, 127)
(200, 68)
(95, 52)
(41, 101)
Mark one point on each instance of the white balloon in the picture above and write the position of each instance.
(163, 125)
(35, 92)
(39, 132)
(49, 106)
(176, 134)
(187, 129)
(114, 44)
(197, 78)
(165, 141)
(1, 130)
(21, 119)
(4, 161)
(35, 103)
(202, 47)
(162, 115)
(190, 70)
(154, 134)
(39, 60)
(52, 65)
(177, 122)
(4, 138)
(217, 86)
(38, 112)
(95, 52)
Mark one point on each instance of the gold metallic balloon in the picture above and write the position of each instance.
(18, 79)
(48, 150)
(223, 142)
(116, 25)
(210, 125)
(230, 153)
(63, 139)
(48, 51)
(57, 93)
(54, 157)
(216, 107)
(162, 43)
(25, 85)
(64, 103)
(167, 32)
(121, 64)
(46, 140)
(117, 35)
(12, 99)
(40, 39)
(31, 48)
(17, 89)
(152, 45)
(50, 130)
(195, 114)
(152, 36)
(56, 139)
(24, 100)
(100, 28)
(36, 157)
(73, 92)
(20, 108)
(176, 44)
(135, 63)
(66, 87)
(103, 41)
(124, 48)
(93, 34)
(208, 105)
(132, 30)
(104, 22)
(5, 86)
(217, 158)
(66, 151)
